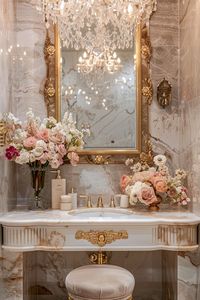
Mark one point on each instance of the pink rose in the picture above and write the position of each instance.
(56, 138)
(147, 195)
(61, 150)
(11, 153)
(161, 186)
(30, 142)
(74, 158)
(43, 135)
(125, 180)
(159, 182)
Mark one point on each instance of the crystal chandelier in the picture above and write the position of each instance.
(99, 61)
(85, 23)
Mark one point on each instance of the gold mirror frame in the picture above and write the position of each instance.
(52, 96)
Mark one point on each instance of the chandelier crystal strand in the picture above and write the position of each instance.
(83, 23)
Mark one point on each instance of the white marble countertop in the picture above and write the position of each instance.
(60, 218)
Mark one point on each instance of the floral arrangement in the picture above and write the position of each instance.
(152, 184)
(46, 142)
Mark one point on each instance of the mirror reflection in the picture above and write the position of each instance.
(99, 88)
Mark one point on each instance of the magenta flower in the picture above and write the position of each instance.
(11, 153)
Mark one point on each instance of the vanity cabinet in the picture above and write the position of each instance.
(58, 231)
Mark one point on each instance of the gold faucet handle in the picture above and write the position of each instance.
(112, 202)
(89, 200)
(100, 202)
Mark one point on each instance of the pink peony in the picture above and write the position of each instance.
(147, 195)
(43, 135)
(30, 142)
(125, 180)
(61, 150)
(11, 153)
(74, 158)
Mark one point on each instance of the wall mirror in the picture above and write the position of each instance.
(106, 92)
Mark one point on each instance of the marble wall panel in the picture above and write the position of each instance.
(188, 276)
(165, 123)
(190, 94)
(29, 68)
(7, 39)
(189, 264)
(11, 275)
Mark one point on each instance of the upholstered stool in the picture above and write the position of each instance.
(105, 282)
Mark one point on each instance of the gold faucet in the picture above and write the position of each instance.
(112, 202)
(100, 202)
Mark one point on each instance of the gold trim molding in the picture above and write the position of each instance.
(49, 85)
(147, 90)
(101, 238)
(3, 132)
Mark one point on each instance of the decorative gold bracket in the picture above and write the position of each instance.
(101, 238)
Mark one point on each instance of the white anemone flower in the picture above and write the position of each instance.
(160, 160)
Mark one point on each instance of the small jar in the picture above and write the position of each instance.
(66, 202)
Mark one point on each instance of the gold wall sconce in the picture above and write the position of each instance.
(164, 93)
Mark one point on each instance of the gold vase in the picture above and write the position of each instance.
(155, 206)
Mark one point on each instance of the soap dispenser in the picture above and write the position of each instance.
(58, 189)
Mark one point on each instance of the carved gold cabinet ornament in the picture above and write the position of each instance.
(101, 238)
(164, 93)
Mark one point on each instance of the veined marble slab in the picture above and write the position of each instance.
(58, 217)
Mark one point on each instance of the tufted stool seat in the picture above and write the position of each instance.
(105, 282)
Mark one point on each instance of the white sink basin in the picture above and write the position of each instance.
(86, 213)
